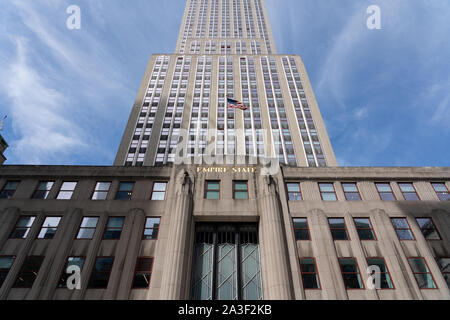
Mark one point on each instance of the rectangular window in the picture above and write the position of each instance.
(240, 190)
(327, 192)
(66, 191)
(9, 189)
(444, 265)
(87, 228)
(409, 192)
(101, 190)
(143, 273)
(309, 273)
(151, 229)
(294, 192)
(29, 272)
(402, 229)
(351, 191)
(428, 229)
(212, 191)
(422, 274)
(441, 191)
(350, 273)
(159, 191)
(385, 191)
(114, 228)
(22, 227)
(338, 228)
(385, 278)
(364, 228)
(49, 228)
(43, 190)
(301, 229)
(100, 275)
(5, 265)
(125, 191)
(71, 261)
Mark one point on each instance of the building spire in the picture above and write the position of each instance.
(2, 123)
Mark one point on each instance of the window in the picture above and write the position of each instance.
(364, 229)
(125, 191)
(87, 228)
(22, 227)
(101, 190)
(9, 189)
(338, 229)
(422, 274)
(71, 261)
(409, 192)
(114, 228)
(66, 191)
(441, 191)
(240, 190)
(350, 273)
(301, 229)
(351, 192)
(402, 228)
(5, 266)
(385, 191)
(151, 229)
(444, 265)
(49, 228)
(29, 272)
(309, 273)
(100, 275)
(327, 192)
(159, 191)
(294, 192)
(212, 191)
(385, 278)
(142, 274)
(428, 228)
(42, 190)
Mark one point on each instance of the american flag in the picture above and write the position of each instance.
(234, 104)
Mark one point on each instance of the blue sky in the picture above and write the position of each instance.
(384, 94)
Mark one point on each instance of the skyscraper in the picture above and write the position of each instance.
(225, 49)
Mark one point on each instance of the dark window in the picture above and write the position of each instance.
(428, 228)
(87, 228)
(327, 192)
(441, 191)
(212, 191)
(71, 261)
(338, 229)
(402, 228)
(143, 273)
(66, 191)
(422, 274)
(151, 229)
(385, 191)
(364, 228)
(159, 191)
(125, 191)
(29, 272)
(240, 190)
(294, 192)
(409, 192)
(301, 229)
(385, 278)
(309, 273)
(114, 228)
(9, 189)
(49, 228)
(5, 266)
(444, 265)
(100, 275)
(22, 227)
(350, 273)
(43, 190)
(351, 191)
(101, 190)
